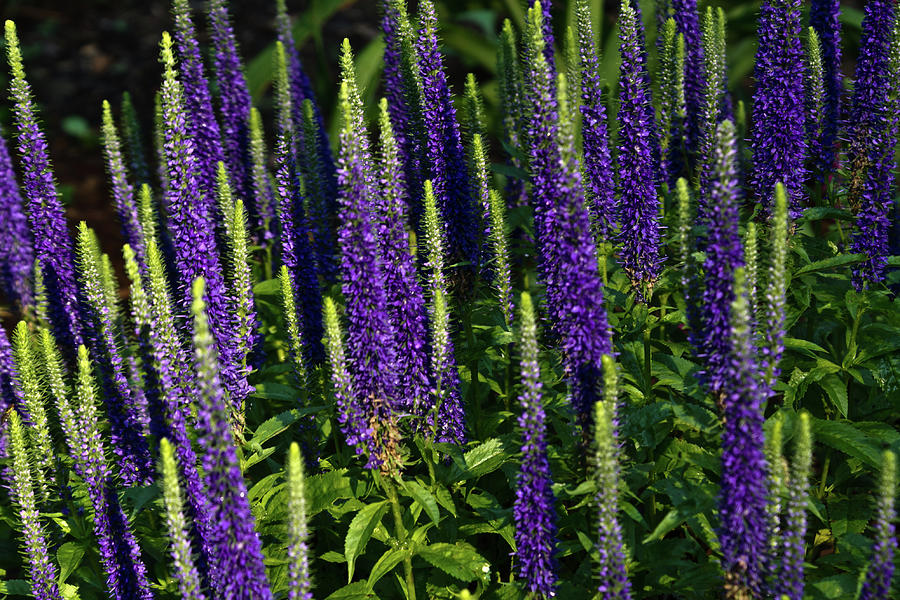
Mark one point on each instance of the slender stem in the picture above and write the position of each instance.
(400, 533)
(473, 373)
(825, 466)
(649, 391)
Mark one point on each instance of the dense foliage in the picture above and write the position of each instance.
(651, 352)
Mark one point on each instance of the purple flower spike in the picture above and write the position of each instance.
(569, 261)
(237, 558)
(202, 126)
(10, 394)
(877, 585)
(687, 21)
(301, 90)
(191, 223)
(872, 134)
(52, 244)
(824, 17)
(637, 162)
(16, 253)
(235, 105)
(598, 172)
(370, 333)
(534, 512)
(724, 254)
(446, 160)
(406, 303)
(742, 498)
(778, 138)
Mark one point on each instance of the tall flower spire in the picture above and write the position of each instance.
(296, 250)
(16, 253)
(742, 498)
(872, 138)
(42, 571)
(778, 137)
(122, 190)
(824, 17)
(636, 162)
(687, 20)
(568, 261)
(191, 222)
(614, 584)
(372, 359)
(599, 180)
(877, 584)
(52, 244)
(723, 255)
(201, 123)
(446, 161)
(406, 303)
(533, 512)
(238, 572)
(235, 104)
(298, 529)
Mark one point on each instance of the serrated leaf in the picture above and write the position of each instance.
(424, 498)
(357, 590)
(69, 557)
(841, 260)
(837, 392)
(843, 436)
(385, 565)
(359, 532)
(483, 459)
(323, 489)
(458, 560)
(806, 347)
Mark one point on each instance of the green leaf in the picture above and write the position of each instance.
(841, 260)
(423, 497)
(818, 213)
(361, 528)
(837, 392)
(808, 348)
(323, 489)
(457, 560)
(269, 429)
(69, 556)
(358, 590)
(269, 287)
(385, 564)
(843, 436)
(483, 459)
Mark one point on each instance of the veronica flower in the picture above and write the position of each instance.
(235, 103)
(772, 321)
(261, 185)
(352, 417)
(406, 303)
(191, 222)
(237, 559)
(816, 112)
(824, 17)
(723, 255)
(321, 210)
(372, 359)
(201, 124)
(778, 138)
(246, 333)
(43, 457)
(177, 393)
(176, 524)
(16, 253)
(614, 584)
(42, 571)
(789, 582)
(394, 83)
(598, 172)
(742, 498)
(534, 512)
(568, 261)
(448, 416)
(511, 98)
(499, 241)
(120, 555)
(298, 530)
(446, 164)
(710, 108)
(687, 21)
(296, 251)
(10, 393)
(52, 244)
(877, 583)
(301, 90)
(133, 141)
(872, 137)
(639, 206)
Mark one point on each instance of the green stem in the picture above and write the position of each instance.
(473, 372)
(647, 378)
(400, 533)
(824, 482)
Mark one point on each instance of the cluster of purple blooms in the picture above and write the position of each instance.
(165, 380)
